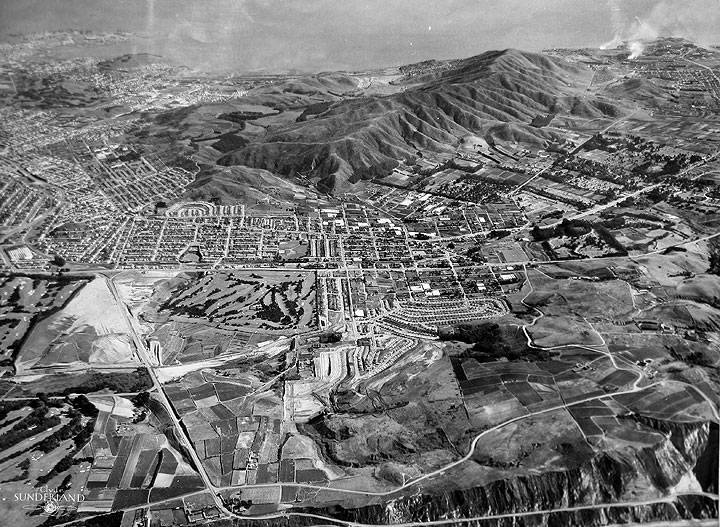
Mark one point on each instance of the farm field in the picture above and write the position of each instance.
(134, 463)
(233, 423)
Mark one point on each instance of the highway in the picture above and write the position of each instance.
(179, 428)
(144, 357)
(182, 436)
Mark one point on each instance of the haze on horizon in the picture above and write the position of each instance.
(316, 35)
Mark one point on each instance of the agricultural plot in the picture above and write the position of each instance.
(134, 463)
(674, 402)
(235, 432)
(497, 391)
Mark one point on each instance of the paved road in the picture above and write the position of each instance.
(633, 368)
(182, 436)
(465, 458)
(665, 499)
(575, 150)
(180, 430)
(328, 520)
(135, 507)
(142, 351)
(597, 258)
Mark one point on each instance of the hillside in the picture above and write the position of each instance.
(494, 95)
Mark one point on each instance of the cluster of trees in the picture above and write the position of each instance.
(330, 337)
(272, 311)
(670, 164)
(606, 236)
(498, 234)
(120, 382)
(64, 464)
(576, 228)
(141, 399)
(66, 431)
(24, 467)
(714, 258)
(569, 228)
(491, 342)
(8, 406)
(84, 406)
(79, 433)
(37, 421)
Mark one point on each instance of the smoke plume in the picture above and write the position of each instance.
(665, 19)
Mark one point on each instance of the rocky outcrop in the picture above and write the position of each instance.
(604, 478)
(697, 444)
(685, 508)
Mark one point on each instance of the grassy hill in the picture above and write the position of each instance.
(494, 95)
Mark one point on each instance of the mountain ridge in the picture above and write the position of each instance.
(495, 95)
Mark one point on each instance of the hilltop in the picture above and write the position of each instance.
(494, 95)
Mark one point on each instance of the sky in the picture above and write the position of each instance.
(317, 35)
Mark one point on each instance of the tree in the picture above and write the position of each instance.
(85, 407)
(141, 399)
(714, 258)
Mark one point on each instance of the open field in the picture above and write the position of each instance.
(24, 302)
(90, 329)
(201, 316)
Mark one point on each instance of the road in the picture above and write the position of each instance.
(91, 271)
(712, 72)
(599, 208)
(463, 459)
(596, 258)
(670, 498)
(144, 357)
(666, 499)
(214, 490)
(575, 150)
(633, 368)
(182, 436)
